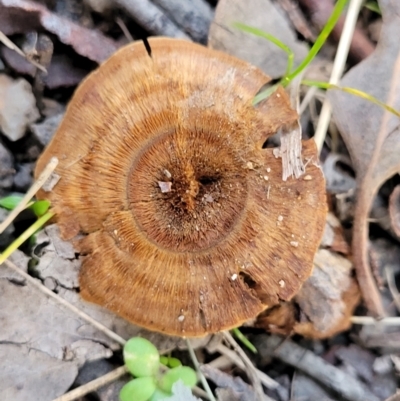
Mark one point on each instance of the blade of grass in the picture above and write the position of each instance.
(337, 11)
(25, 235)
(272, 39)
(353, 91)
(239, 335)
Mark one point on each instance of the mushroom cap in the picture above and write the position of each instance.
(188, 226)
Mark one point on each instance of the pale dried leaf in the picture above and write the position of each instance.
(372, 136)
(30, 374)
(262, 14)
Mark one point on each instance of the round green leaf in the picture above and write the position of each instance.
(141, 357)
(159, 395)
(140, 389)
(184, 373)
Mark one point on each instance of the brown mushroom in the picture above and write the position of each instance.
(188, 227)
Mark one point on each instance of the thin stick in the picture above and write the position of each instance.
(252, 370)
(369, 320)
(234, 358)
(338, 68)
(30, 194)
(196, 364)
(7, 42)
(62, 301)
(93, 385)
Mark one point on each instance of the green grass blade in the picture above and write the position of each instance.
(239, 335)
(25, 235)
(272, 39)
(337, 11)
(353, 91)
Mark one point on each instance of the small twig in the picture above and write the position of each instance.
(93, 385)
(7, 42)
(149, 16)
(124, 29)
(62, 301)
(30, 194)
(338, 68)
(234, 358)
(251, 368)
(369, 320)
(196, 364)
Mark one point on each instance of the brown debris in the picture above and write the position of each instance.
(21, 16)
(186, 110)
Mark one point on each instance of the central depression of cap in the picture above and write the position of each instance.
(187, 190)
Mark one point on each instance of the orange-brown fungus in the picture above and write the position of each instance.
(189, 228)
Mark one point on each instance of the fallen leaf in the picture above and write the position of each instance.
(372, 136)
(262, 14)
(21, 16)
(30, 374)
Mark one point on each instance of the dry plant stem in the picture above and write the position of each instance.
(93, 385)
(7, 42)
(338, 68)
(66, 304)
(252, 373)
(366, 193)
(369, 320)
(289, 352)
(234, 358)
(152, 18)
(196, 364)
(30, 194)
(124, 29)
(320, 10)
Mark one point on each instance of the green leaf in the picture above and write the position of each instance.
(184, 373)
(141, 357)
(40, 207)
(10, 202)
(140, 389)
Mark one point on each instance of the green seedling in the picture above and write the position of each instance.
(39, 207)
(152, 380)
(239, 335)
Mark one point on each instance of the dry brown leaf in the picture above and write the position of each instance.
(20, 16)
(372, 136)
